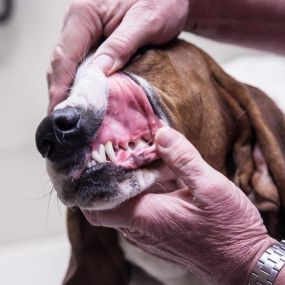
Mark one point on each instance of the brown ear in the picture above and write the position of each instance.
(259, 149)
(96, 257)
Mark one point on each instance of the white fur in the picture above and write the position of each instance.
(89, 89)
(144, 178)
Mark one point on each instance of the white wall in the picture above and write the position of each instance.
(26, 43)
(25, 48)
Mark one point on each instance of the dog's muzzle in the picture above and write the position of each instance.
(93, 151)
(65, 131)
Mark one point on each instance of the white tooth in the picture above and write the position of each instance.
(110, 151)
(89, 164)
(140, 142)
(96, 156)
(93, 162)
(102, 152)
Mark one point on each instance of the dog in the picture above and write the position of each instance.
(99, 148)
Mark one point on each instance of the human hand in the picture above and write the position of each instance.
(210, 227)
(126, 24)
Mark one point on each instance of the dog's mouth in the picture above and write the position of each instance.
(126, 135)
(125, 138)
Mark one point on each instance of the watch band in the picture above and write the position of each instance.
(269, 265)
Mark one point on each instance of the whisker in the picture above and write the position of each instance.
(58, 140)
(59, 210)
(161, 186)
(84, 51)
(69, 71)
(36, 198)
(48, 208)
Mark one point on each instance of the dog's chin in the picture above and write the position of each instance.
(107, 186)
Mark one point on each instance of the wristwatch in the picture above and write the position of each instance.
(269, 265)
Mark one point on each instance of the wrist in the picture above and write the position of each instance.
(269, 268)
(245, 261)
(265, 244)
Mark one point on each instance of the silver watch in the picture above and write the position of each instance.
(269, 265)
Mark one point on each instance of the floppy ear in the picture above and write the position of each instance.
(96, 257)
(259, 148)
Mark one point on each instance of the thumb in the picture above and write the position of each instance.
(185, 160)
(122, 44)
(117, 49)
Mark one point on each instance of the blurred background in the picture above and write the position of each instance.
(33, 244)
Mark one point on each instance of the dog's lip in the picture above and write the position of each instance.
(89, 172)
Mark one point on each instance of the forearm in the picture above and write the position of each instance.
(253, 23)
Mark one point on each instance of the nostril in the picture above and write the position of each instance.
(67, 120)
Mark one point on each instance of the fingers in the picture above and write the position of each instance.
(126, 39)
(139, 212)
(120, 217)
(186, 162)
(128, 25)
(82, 29)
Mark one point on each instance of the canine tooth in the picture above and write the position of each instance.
(96, 156)
(102, 152)
(110, 151)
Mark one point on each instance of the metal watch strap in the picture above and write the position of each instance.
(269, 265)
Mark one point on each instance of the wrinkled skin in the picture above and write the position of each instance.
(209, 219)
(88, 21)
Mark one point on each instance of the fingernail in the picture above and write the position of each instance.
(104, 62)
(165, 137)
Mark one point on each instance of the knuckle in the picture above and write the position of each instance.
(85, 8)
(181, 160)
(154, 19)
(120, 46)
(57, 57)
(183, 155)
(79, 5)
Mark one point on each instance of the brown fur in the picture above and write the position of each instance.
(226, 120)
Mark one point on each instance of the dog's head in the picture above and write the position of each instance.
(99, 141)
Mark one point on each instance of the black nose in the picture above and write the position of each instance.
(60, 133)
